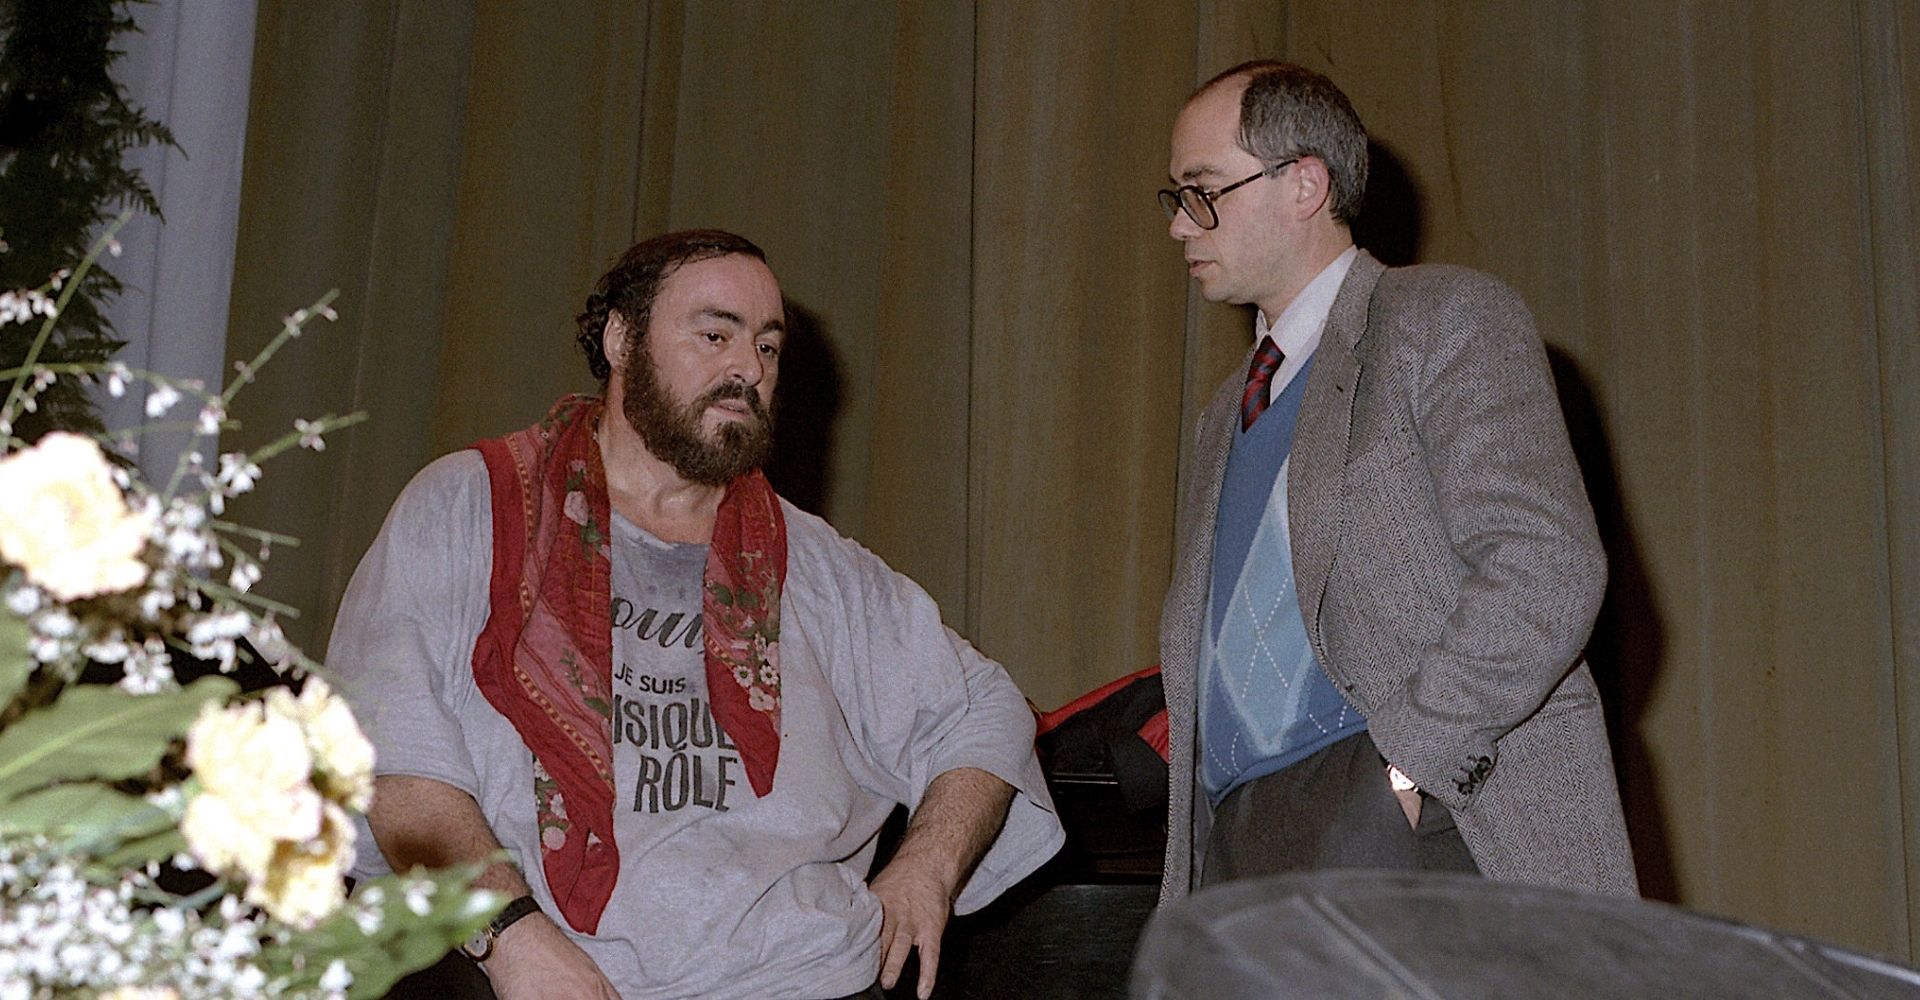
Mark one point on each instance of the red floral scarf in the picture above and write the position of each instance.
(545, 657)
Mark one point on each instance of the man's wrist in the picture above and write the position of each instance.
(482, 945)
(930, 866)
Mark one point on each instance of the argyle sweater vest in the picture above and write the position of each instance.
(1265, 702)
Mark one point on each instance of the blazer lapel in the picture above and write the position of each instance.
(1317, 465)
(1214, 442)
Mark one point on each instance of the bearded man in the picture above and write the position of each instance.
(682, 706)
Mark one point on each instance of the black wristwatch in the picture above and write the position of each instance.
(479, 947)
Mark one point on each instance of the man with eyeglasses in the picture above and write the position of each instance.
(1387, 563)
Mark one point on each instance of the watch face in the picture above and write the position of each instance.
(480, 945)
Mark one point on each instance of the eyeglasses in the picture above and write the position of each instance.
(1197, 201)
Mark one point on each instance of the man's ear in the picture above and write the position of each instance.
(1313, 185)
(613, 341)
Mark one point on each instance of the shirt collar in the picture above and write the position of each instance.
(1298, 329)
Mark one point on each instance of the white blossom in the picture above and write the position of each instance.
(23, 305)
(310, 434)
(253, 767)
(303, 884)
(212, 415)
(25, 599)
(245, 574)
(341, 752)
(61, 936)
(155, 601)
(55, 623)
(208, 629)
(111, 573)
(110, 648)
(161, 399)
(418, 896)
(483, 901)
(237, 474)
(368, 919)
(271, 643)
(65, 524)
(336, 978)
(147, 673)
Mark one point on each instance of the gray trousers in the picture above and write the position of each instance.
(1334, 809)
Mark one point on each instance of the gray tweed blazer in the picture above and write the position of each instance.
(1448, 570)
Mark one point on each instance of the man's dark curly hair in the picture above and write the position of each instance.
(631, 284)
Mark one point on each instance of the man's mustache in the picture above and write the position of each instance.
(729, 390)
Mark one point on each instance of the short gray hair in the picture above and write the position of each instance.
(1289, 111)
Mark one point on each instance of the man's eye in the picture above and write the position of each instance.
(713, 336)
(770, 350)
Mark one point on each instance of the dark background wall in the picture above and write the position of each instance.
(1709, 206)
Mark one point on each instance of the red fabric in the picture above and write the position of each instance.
(740, 605)
(1155, 733)
(545, 658)
(1044, 721)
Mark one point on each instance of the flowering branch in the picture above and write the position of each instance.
(8, 411)
(262, 535)
(97, 569)
(290, 328)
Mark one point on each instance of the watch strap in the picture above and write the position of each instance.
(480, 946)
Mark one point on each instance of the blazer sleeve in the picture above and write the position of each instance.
(1516, 514)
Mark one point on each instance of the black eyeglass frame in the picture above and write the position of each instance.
(1175, 200)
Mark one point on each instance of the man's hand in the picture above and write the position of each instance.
(534, 959)
(914, 905)
(1410, 804)
(955, 824)
(1409, 796)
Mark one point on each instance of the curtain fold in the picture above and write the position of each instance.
(1890, 84)
(353, 148)
(1710, 207)
(176, 278)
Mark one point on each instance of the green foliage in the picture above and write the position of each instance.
(157, 846)
(15, 665)
(420, 917)
(64, 125)
(98, 733)
(86, 812)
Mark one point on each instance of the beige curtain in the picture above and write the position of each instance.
(1709, 206)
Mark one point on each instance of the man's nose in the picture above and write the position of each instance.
(745, 363)
(1181, 226)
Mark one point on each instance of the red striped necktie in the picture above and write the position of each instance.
(1254, 401)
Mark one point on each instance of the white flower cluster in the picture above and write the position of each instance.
(106, 580)
(65, 523)
(23, 305)
(276, 780)
(60, 933)
(105, 569)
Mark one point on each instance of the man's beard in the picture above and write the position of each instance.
(673, 435)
